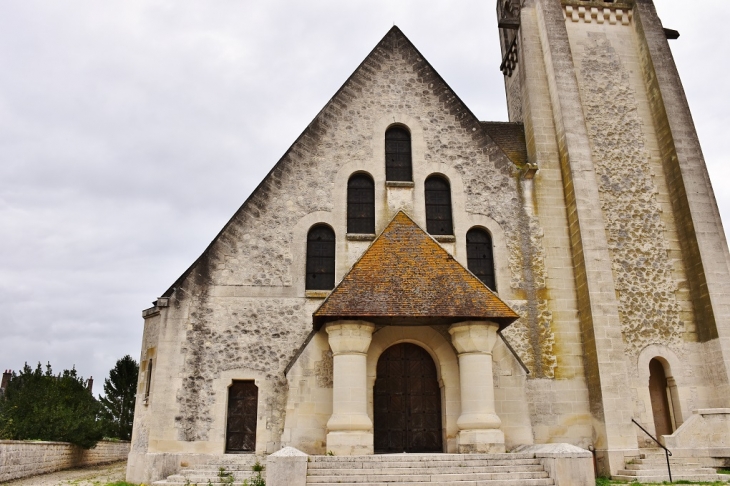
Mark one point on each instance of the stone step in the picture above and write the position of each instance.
(507, 482)
(168, 482)
(201, 475)
(663, 461)
(421, 457)
(217, 467)
(702, 478)
(663, 471)
(444, 478)
(433, 463)
(423, 470)
(663, 467)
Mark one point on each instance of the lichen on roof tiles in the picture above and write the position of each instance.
(406, 277)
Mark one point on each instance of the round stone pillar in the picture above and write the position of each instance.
(478, 423)
(349, 429)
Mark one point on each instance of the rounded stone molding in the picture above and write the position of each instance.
(671, 362)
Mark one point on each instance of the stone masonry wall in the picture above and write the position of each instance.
(19, 459)
(259, 334)
(636, 233)
(255, 253)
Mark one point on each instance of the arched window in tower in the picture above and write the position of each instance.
(438, 206)
(361, 204)
(398, 154)
(480, 256)
(320, 258)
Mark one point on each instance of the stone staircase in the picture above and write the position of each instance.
(652, 468)
(420, 469)
(230, 473)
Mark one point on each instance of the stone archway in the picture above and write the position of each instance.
(447, 370)
(407, 401)
(660, 378)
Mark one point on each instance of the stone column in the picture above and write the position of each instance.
(478, 423)
(349, 429)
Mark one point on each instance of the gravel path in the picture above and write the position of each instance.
(87, 476)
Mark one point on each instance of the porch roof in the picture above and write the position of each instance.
(405, 277)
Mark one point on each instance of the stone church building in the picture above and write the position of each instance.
(409, 278)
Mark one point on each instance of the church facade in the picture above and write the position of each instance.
(408, 278)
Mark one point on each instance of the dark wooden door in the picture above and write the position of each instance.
(407, 401)
(243, 397)
(659, 400)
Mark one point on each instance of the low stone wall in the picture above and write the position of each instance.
(705, 436)
(20, 458)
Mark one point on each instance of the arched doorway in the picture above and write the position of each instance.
(407, 401)
(658, 391)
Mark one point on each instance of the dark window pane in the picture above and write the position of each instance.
(480, 257)
(438, 206)
(320, 258)
(361, 204)
(398, 155)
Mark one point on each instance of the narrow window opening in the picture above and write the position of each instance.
(320, 258)
(398, 162)
(480, 256)
(361, 204)
(438, 206)
(149, 382)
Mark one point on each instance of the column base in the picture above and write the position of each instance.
(350, 443)
(487, 441)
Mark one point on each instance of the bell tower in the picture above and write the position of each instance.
(609, 128)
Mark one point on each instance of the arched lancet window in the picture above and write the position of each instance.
(480, 257)
(320, 258)
(438, 206)
(361, 204)
(398, 154)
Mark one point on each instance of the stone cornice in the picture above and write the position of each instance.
(624, 5)
(598, 12)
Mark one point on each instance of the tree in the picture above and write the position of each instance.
(117, 407)
(44, 406)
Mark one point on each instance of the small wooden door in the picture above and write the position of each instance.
(659, 400)
(243, 397)
(407, 401)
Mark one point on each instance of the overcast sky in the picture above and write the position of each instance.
(131, 131)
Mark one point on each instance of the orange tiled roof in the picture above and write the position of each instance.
(406, 277)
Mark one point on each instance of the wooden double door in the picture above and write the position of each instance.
(407, 402)
(243, 399)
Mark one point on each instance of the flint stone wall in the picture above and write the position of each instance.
(228, 325)
(20, 458)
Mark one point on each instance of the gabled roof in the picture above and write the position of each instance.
(394, 41)
(406, 277)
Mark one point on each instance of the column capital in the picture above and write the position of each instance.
(349, 337)
(474, 336)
